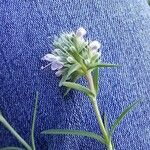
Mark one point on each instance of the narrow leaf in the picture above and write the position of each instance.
(76, 56)
(106, 122)
(64, 77)
(119, 119)
(72, 69)
(102, 65)
(11, 148)
(79, 59)
(33, 122)
(95, 79)
(74, 78)
(74, 132)
(14, 133)
(78, 87)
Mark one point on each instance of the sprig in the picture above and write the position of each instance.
(74, 57)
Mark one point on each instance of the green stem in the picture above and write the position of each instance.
(99, 119)
(97, 112)
(109, 146)
(19, 138)
(33, 122)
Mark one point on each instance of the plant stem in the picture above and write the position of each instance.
(97, 112)
(19, 138)
(109, 146)
(33, 122)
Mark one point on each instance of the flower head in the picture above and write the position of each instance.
(95, 45)
(80, 32)
(72, 55)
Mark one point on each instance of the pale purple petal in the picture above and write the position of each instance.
(80, 32)
(95, 45)
(49, 57)
(56, 65)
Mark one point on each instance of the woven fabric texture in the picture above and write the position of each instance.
(27, 30)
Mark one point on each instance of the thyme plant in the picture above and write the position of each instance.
(72, 58)
(75, 57)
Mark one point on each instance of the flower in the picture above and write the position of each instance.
(49, 57)
(55, 62)
(80, 32)
(73, 56)
(95, 45)
(56, 65)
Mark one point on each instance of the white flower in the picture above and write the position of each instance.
(80, 32)
(98, 53)
(49, 57)
(95, 45)
(55, 62)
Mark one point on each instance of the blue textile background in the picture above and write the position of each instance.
(27, 30)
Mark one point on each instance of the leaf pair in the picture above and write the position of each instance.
(119, 119)
(122, 115)
(102, 65)
(74, 132)
(91, 134)
(76, 86)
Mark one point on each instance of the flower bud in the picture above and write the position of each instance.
(95, 45)
(87, 61)
(80, 32)
(70, 60)
(72, 48)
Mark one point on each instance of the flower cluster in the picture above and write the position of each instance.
(73, 55)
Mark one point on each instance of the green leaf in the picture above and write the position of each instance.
(14, 133)
(33, 122)
(95, 79)
(76, 56)
(71, 70)
(74, 78)
(79, 59)
(119, 119)
(78, 87)
(106, 122)
(64, 77)
(101, 65)
(11, 148)
(75, 132)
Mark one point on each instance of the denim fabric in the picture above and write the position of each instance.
(28, 28)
